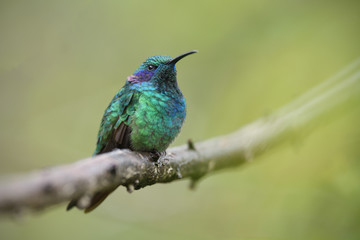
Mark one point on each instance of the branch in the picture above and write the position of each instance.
(43, 188)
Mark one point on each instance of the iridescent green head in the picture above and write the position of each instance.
(159, 68)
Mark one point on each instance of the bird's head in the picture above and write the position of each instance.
(157, 69)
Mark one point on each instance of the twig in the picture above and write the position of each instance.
(43, 188)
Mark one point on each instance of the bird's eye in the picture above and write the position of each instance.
(151, 67)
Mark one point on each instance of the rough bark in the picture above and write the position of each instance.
(42, 188)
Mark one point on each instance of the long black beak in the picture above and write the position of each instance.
(178, 58)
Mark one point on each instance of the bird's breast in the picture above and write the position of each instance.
(157, 121)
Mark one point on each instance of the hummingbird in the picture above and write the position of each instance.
(145, 115)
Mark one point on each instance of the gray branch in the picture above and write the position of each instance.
(46, 187)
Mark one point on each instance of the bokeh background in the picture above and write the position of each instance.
(61, 62)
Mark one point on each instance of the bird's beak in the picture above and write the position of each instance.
(178, 58)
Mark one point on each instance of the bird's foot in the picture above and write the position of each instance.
(154, 156)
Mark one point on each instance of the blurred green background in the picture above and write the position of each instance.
(61, 62)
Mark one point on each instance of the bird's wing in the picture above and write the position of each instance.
(114, 129)
(114, 133)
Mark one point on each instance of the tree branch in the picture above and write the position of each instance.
(43, 188)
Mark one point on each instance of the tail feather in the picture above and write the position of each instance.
(71, 204)
(96, 200)
(119, 138)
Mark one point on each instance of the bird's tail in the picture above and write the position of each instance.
(95, 201)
